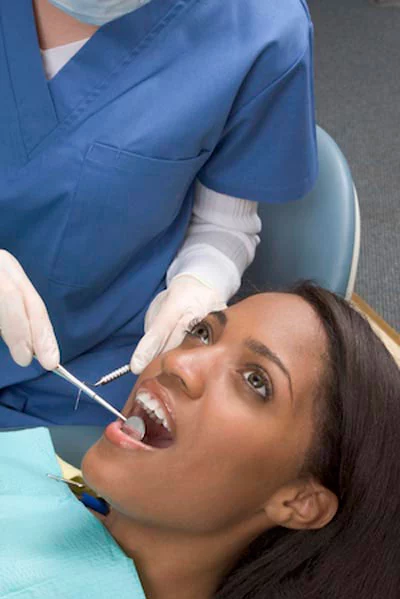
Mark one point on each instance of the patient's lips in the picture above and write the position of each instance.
(151, 419)
(149, 408)
(119, 438)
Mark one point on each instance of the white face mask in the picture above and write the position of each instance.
(98, 12)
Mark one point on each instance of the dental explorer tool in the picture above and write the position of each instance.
(113, 376)
(63, 373)
(134, 423)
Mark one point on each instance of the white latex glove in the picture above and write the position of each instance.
(169, 315)
(24, 322)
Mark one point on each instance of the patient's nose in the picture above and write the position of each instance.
(188, 369)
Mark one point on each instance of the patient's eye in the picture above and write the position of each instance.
(259, 382)
(201, 330)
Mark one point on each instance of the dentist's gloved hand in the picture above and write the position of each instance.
(24, 322)
(169, 315)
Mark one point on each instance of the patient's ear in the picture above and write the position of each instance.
(303, 504)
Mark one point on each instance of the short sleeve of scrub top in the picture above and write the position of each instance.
(268, 152)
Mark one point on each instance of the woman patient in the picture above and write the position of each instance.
(274, 469)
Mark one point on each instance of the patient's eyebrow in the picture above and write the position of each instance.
(262, 350)
(220, 316)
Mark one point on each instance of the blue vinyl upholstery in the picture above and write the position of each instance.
(312, 238)
(72, 442)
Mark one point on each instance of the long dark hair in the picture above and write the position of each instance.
(356, 454)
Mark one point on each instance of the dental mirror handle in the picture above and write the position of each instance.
(63, 373)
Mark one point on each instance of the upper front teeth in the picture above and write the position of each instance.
(153, 408)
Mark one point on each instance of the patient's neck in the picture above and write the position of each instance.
(172, 565)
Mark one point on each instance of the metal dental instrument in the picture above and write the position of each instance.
(86, 497)
(113, 376)
(63, 373)
(61, 479)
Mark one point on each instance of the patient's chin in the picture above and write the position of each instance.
(91, 468)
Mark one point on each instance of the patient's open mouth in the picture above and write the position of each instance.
(158, 430)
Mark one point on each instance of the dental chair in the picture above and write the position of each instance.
(317, 238)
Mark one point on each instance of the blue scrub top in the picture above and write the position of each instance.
(97, 166)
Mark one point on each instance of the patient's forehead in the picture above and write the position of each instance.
(281, 318)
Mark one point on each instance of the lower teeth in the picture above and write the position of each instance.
(134, 427)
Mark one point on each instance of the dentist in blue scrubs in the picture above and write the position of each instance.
(136, 139)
